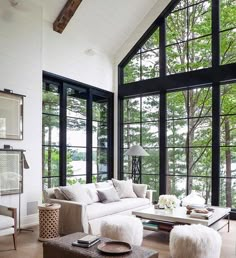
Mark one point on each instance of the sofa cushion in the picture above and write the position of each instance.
(124, 188)
(140, 190)
(98, 210)
(76, 193)
(92, 192)
(108, 195)
(6, 222)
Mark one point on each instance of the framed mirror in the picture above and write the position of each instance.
(11, 172)
(11, 116)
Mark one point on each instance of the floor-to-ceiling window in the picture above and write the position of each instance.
(100, 138)
(51, 133)
(228, 145)
(140, 126)
(76, 124)
(189, 138)
(77, 132)
(187, 58)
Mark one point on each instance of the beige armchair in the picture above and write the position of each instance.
(8, 222)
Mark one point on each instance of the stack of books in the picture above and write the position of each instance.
(198, 215)
(86, 241)
(150, 225)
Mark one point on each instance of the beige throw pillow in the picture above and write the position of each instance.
(140, 190)
(76, 193)
(124, 188)
(59, 194)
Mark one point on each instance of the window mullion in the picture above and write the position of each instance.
(162, 142)
(63, 128)
(141, 134)
(215, 143)
(89, 138)
(215, 33)
(188, 135)
(162, 48)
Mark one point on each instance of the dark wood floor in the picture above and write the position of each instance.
(30, 247)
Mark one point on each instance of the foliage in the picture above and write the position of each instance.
(189, 112)
(76, 128)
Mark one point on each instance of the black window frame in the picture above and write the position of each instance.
(92, 92)
(215, 76)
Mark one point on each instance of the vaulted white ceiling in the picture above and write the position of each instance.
(105, 23)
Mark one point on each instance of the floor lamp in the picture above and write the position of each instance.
(136, 152)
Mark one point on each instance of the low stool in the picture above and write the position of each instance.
(124, 228)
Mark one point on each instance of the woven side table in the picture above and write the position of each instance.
(48, 221)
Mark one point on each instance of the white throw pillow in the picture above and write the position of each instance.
(193, 199)
(76, 193)
(124, 188)
(107, 195)
(140, 190)
(92, 192)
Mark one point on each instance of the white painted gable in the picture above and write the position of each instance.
(104, 24)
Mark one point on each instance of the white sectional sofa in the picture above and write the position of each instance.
(82, 217)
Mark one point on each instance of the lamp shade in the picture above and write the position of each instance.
(136, 150)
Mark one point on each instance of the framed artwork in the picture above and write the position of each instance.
(11, 172)
(11, 116)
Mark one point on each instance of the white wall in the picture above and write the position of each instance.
(28, 45)
(123, 51)
(74, 59)
(21, 71)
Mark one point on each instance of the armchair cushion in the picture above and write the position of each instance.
(6, 222)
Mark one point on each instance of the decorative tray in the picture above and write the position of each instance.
(114, 247)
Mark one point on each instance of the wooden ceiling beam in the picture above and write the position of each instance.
(65, 15)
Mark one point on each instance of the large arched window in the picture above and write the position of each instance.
(187, 60)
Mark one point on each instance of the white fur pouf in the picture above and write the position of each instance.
(194, 241)
(124, 228)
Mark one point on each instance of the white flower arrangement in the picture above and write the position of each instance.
(167, 201)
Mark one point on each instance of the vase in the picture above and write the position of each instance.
(169, 209)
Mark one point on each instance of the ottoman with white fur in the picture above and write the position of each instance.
(194, 241)
(124, 228)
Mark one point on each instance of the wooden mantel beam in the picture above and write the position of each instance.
(65, 15)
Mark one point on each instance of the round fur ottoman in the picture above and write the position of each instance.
(124, 228)
(195, 241)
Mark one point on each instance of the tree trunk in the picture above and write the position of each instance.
(128, 136)
(49, 152)
(170, 182)
(207, 190)
(190, 140)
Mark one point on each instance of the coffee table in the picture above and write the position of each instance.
(179, 216)
(62, 247)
